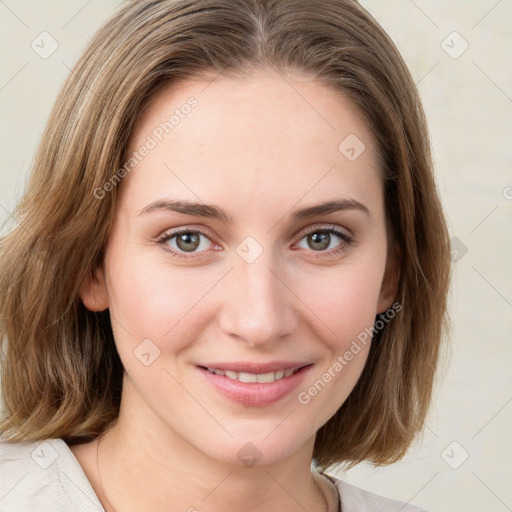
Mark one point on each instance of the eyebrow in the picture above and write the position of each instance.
(214, 212)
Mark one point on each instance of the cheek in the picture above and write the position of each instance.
(149, 299)
(342, 311)
(344, 301)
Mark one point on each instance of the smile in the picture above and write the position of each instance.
(258, 385)
(263, 378)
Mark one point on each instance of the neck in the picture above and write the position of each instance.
(146, 469)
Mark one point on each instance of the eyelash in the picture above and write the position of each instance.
(346, 240)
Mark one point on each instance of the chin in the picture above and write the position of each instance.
(250, 451)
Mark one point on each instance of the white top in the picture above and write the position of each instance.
(46, 476)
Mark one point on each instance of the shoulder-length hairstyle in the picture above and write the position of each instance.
(61, 374)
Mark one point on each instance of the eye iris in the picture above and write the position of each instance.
(186, 238)
(189, 241)
(322, 238)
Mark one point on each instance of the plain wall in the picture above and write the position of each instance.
(462, 461)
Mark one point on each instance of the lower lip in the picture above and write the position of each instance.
(255, 394)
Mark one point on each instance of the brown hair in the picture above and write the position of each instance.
(61, 374)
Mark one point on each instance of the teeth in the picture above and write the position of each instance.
(266, 377)
(247, 377)
(252, 377)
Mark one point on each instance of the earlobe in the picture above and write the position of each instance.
(93, 290)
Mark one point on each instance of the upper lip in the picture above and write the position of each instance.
(256, 368)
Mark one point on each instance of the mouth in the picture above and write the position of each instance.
(263, 378)
(256, 388)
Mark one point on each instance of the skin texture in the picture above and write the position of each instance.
(259, 149)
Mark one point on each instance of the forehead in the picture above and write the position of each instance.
(258, 139)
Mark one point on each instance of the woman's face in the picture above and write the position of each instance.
(255, 285)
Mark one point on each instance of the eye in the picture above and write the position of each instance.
(185, 241)
(320, 239)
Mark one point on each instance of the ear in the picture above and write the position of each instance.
(93, 291)
(389, 285)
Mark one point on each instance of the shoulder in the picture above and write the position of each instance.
(355, 499)
(43, 476)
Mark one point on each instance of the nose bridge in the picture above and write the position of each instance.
(258, 304)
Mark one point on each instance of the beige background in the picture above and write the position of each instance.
(468, 101)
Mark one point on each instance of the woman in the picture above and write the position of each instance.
(285, 144)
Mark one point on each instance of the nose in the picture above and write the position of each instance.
(257, 305)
